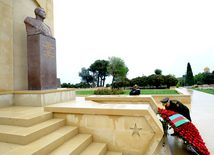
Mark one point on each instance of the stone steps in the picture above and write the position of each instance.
(30, 130)
(74, 146)
(95, 148)
(26, 135)
(23, 116)
(46, 144)
(113, 153)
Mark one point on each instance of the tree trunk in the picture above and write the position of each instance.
(104, 81)
(98, 78)
(112, 80)
(93, 80)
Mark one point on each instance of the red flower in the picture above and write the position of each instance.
(188, 132)
(163, 116)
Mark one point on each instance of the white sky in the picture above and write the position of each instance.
(146, 34)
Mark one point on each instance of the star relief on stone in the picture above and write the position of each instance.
(136, 130)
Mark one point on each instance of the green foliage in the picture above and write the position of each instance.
(140, 81)
(178, 85)
(158, 71)
(208, 78)
(108, 92)
(204, 78)
(189, 76)
(199, 78)
(99, 69)
(117, 68)
(199, 83)
(155, 80)
(123, 82)
(115, 85)
(169, 80)
(209, 91)
(143, 92)
(78, 85)
(108, 85)
(182, 81)
(85, 76)
(151, 80)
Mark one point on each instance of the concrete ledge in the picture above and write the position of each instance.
(124, 99)
(186, 99)
(36, 98)
(42, 91)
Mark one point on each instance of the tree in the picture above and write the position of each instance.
(155, 80)
(99, 69)
(123, 82)
(85, 76)
(169, 80)
(189, 76)
(103, 71)
(117, 68)
(208, 78)
(199, 78)
(93, 69)
(141, 81)
(158, 71)
(159, 80)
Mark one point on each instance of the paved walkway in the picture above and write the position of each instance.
(202, 114)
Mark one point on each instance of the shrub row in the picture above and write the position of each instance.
(108, 92)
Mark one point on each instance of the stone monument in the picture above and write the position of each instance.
(41, 53)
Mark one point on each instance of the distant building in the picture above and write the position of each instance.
(206, 70)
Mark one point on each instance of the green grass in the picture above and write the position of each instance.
(209, 91)
(155, 92)
(142, 92)
(83, 92)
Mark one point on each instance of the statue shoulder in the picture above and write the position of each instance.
(29, 19)
(33, 21)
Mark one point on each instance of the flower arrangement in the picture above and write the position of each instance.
(186, 131)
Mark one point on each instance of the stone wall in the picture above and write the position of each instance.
(6, 45)
(13, 40)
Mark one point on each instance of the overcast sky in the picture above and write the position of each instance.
(146, 34)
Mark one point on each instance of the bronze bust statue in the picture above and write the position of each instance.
(36, 25)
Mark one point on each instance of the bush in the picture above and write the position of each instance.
(199, 83)
(109, 92)
(178, 85)
(108, 85)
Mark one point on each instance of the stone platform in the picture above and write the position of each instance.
(36, 98)
(127, 128)
(31, 130)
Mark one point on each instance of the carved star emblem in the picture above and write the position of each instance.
(136, 130)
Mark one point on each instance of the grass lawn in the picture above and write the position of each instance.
(209, 91)
(142, 92)
(87, 92)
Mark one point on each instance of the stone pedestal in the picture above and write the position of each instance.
(41, 62)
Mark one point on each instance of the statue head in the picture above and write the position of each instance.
(37, 25)
(40, 12)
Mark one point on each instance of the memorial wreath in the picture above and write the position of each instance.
(183, 129)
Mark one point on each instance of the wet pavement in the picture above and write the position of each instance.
(202, 115)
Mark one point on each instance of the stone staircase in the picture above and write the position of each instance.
(31, 131)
